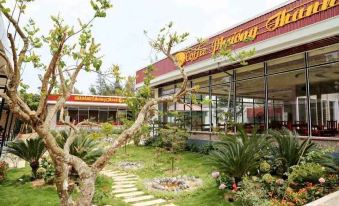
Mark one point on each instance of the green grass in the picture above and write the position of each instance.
(15, 193)
(156, 164)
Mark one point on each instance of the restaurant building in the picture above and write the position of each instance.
(97, 109)
(291, 81)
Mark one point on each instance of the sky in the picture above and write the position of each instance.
(121, 33)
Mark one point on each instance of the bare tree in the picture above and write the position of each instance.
(69, 56)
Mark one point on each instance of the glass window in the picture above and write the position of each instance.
(83, 114)
(324, 55)
(222, 78)
(222, 106)
(324, 90)
(250, 71)
(284, 64)
(103, 115)
(250, 104)
(93, 115)
(287, 105)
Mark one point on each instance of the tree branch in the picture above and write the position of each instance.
(45, 81)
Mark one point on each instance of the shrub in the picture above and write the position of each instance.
(238, 155)
(29, 150)
(40, 173)
(107, 129)
(252, 194)
(173, 139)
(264, 167)
(308, 172)
(83, 146)
(3, 170)
(288, 150)
(49, 175)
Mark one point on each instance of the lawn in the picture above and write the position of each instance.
(157, 164)
(15, 193)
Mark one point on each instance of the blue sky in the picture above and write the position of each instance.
(121, 33)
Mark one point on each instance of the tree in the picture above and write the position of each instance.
(69, 56)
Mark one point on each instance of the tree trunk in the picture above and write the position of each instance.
(62, 184)
(87, 189)
(35, 166)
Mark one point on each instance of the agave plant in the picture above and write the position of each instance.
(83, 146)
(241, 154)
(29, 150)
(288, 149)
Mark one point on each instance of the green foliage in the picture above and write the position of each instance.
(40, 173)
(48, 165)
(264, 167)
(173, 139)
(3, 170)
(252, 194)
(288, 150)
(143, 94)
(239, 155)
(29, 150)
(323, 157)
(107, 129)
(308, 172)
(83, 146)
(32, 100)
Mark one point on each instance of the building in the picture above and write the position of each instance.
(292, 81)
(7, 118)
(98, 109)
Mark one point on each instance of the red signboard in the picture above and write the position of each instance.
(295, 15)
(84, 98)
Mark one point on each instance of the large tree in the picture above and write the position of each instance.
(71, 51)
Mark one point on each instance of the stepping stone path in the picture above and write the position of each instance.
(124, 187)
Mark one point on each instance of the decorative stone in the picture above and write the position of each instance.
(126, 165)
(174, 184)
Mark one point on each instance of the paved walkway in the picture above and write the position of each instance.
(124, 187)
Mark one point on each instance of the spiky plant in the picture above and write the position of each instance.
(288, 149)
(29, 150)
(240, 154)
(83, 146)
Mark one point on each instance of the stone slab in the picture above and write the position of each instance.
(139, 198)
(121, 186)
(130, 194)
(149, 203)
(125, 190)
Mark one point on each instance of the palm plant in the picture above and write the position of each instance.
(288, 149)
(83, 146)
(29, 150)
(241, 154)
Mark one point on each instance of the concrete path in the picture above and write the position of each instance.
(124, 187)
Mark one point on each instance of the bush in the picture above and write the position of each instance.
(264, 167)
(40, 173)
(202, 149)
(3, 170)
(83, 146)
(289, 151)
(309, 172)
(49, 175)
(29, 150)
(239, 155)
(252, 194)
